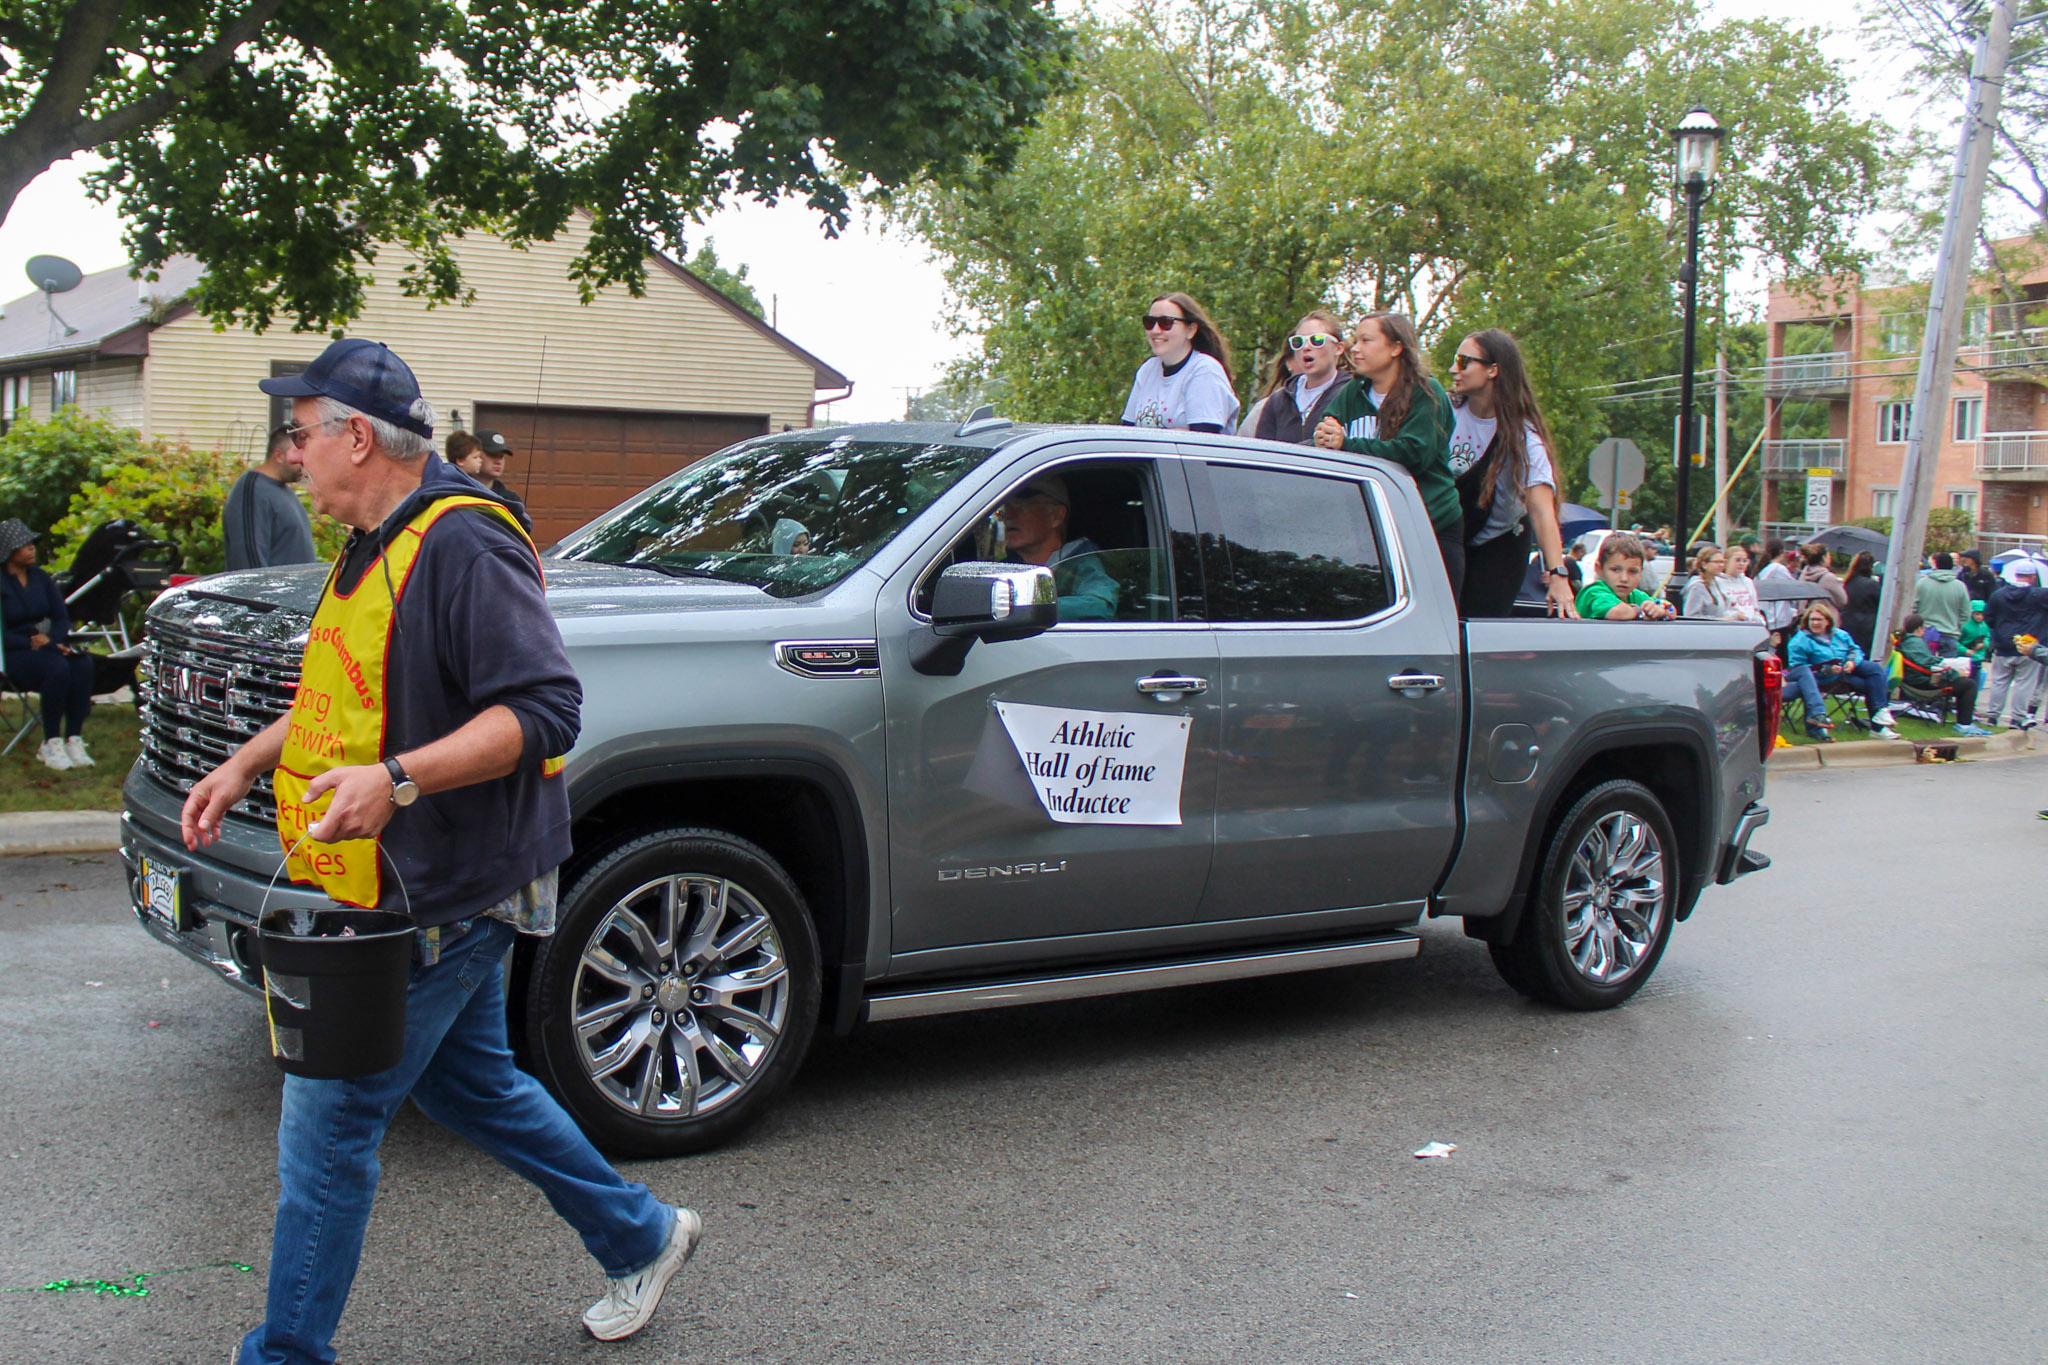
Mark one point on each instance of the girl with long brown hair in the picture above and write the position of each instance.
(1296, 403)
(1186, 384)
(1500, 457)
(1393, 410)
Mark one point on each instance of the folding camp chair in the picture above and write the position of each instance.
(30, 702)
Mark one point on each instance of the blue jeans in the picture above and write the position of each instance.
(1867, 677)
(458, 1069)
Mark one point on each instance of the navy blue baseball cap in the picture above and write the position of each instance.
(365, 375)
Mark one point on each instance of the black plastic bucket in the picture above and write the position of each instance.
(335, 981)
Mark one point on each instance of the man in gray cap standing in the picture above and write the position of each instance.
(409, 701)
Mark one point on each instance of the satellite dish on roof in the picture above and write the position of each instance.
(53, 274)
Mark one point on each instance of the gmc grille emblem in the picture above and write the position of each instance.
(194, 688)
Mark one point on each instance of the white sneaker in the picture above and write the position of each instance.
(1886, 732)
(632, 1299)
(1883, 719)
(74, 749)
(53, 756)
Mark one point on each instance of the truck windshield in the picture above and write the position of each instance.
(790, 517)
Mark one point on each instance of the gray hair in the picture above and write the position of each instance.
(394, 441)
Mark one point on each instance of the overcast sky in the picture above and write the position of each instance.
(871, 303)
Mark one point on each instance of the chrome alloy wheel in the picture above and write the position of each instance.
(1615, 898)
(679, 997)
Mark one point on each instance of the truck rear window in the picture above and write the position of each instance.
(788, 516)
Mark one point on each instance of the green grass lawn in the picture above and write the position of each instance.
(1909, 727)
(25, 784)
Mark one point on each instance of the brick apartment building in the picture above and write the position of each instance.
(1846, 363)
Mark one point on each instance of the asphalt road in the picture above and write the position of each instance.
(1817, 1136)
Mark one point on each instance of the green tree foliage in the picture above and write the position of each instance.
(173, 493)
(1948, 528)
(282, 141)
(44, 463)
(732, 283)
(1473, 165)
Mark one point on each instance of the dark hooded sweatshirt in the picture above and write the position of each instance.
(473, 631)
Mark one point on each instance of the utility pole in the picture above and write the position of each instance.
(1721, 446)
(1947, 298)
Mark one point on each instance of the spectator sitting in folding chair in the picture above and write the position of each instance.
(37, 652)
(1926, 676)
(1822, 655)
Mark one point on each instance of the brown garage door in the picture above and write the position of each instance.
(573, 464)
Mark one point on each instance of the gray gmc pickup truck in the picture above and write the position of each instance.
(846, 756)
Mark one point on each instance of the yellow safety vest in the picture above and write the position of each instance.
(338, 714)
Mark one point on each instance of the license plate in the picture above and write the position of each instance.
(163, 895)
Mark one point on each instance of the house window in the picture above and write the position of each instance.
(1964, 499)
(63, 388)
(1895, 332)
(1892, 421)
(13, 398)
(1969, 417)
(1884, 502)
(281, 408)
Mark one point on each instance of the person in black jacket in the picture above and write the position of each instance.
(2018, 609)
(1981, 579)
(38, 653)
(438, 746)
(1315, 353)
(1859, 617)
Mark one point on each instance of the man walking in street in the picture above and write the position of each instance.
(435, 684)
(262, 523)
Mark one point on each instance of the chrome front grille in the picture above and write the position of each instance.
(204, 691)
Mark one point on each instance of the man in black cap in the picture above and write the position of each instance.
(262, 523)
(495, 450)
(433, 675)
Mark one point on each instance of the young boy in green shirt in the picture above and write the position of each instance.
(1612, 595)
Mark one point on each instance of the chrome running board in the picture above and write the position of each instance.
(1032, 990)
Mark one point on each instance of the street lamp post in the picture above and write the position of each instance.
(1699, 147)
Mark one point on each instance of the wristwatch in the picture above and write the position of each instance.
(404, 791)
(1559, 572)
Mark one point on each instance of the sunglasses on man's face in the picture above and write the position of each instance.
(1461, 360)
(299, 435)
(1296, 343)
(1159, 322)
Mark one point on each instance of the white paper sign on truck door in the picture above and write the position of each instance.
(1100, 767)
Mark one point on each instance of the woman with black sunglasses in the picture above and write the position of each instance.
(1186, 385)
(1500, 456)
(1296, 404)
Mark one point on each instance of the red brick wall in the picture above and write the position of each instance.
(2006, 506)
(2010, 407)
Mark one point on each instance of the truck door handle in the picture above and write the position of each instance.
(1416, 682)
(1166, 687)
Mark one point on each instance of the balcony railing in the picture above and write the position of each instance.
(2013, 454)
(1820, 374)
(1792, 532)
(1791, 459)
(1998, 542)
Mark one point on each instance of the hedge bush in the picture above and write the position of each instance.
(44, 464)
(1948, 528)
(175, 494)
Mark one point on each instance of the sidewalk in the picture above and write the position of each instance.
(60, 831)
(1883, 753)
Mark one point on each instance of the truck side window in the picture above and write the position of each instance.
(1291, 547)
(1111, 566)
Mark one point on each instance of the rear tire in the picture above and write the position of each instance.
(1606, 895)
(678, 994)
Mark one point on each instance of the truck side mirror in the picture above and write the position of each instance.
(984, 601)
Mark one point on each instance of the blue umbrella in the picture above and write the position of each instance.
(1574, 521)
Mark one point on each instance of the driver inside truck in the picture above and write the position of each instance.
(1034, 519)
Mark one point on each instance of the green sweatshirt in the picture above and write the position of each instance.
(1422, 446)
(1596, 599)
(1976, 641)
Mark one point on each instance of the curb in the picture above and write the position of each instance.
(1885, 753)
(60, 831)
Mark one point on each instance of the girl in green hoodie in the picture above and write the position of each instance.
(1392, 409)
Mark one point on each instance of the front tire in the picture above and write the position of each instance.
(678, 994)
(1601, 911)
